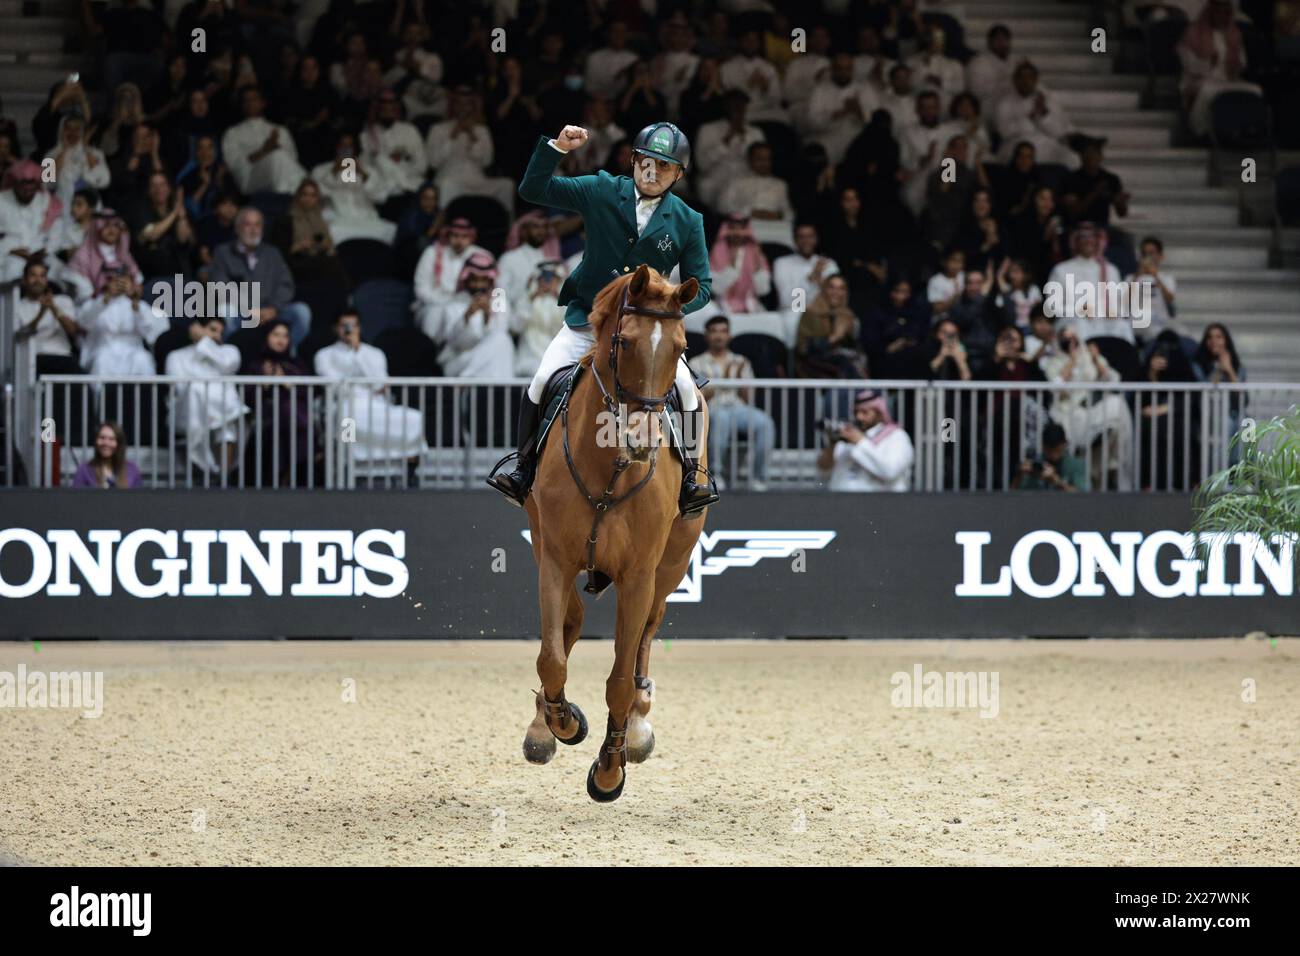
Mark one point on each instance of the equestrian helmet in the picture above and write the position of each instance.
(663, 141)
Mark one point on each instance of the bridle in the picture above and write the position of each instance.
(622, 395)
(608, 499)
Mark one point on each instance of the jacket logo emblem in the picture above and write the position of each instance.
(665, 244)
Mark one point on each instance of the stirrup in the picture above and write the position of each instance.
(502, 482)
(690, 509)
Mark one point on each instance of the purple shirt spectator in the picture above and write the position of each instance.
(86, 477)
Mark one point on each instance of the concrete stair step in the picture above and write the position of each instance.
(1124, 137)
(1091, 102)
(1233, 300)
(1004, 11)
(1102, 121)
(1280, 278)
(1183, 215)
(15, 76)
(1059, 80)
(977, 26)
(1079, 60)
(1206, 196)
(1179, 258)
(1035, 46)
(54, 26)
(1177, 236)
(1258, 320)
(1137, 178)
(1122, 156)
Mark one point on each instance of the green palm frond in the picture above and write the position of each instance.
(1260, 494)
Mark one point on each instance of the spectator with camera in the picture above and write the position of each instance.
(731, 410)
(1056, 470)
(870, 453)
(539, 316)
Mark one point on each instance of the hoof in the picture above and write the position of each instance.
(539, 751)
(640, 751)
(599, 795)
(581, 735)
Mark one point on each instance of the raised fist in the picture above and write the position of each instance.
(571, 137)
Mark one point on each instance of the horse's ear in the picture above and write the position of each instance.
(687, 291)
(640, 279)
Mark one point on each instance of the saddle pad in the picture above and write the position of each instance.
(556, 394)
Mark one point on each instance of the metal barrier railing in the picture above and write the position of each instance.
(308, 432)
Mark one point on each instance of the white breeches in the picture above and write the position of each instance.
(570, 344)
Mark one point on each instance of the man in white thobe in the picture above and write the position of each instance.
(873, 453)
(474, 326)
(801, 273)
(259, 154)
(29, 223)
(1031, 113)
(1077, 290)
(384, 430)
(839, 108)
(988, 74)
(921, 147)
(205, 411)
(935, 71)
(722, 148)
(438, 272)
(393, 150)
(460, 149)
(516, 266)
(675, 67)
(749, 72)
(605, 65)
(762, 197)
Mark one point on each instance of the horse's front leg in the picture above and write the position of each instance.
(669, 574)
(555, 717)
(607, 776)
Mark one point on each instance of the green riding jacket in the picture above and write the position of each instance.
(674, 235)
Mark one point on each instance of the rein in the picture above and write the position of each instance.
(608, 499)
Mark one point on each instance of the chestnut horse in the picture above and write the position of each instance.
(609, 507)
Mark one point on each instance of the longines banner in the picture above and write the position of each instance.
(193, 564)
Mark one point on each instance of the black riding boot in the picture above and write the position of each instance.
(694, 497)
(517, 483)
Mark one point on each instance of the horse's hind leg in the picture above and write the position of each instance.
(561, 627)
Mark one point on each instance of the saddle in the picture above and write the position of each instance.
(556, 396)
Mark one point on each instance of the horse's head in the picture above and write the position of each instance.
(640, 337)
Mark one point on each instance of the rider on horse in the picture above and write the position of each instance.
(629, 221)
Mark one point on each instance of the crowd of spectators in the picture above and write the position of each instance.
(889, 201)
